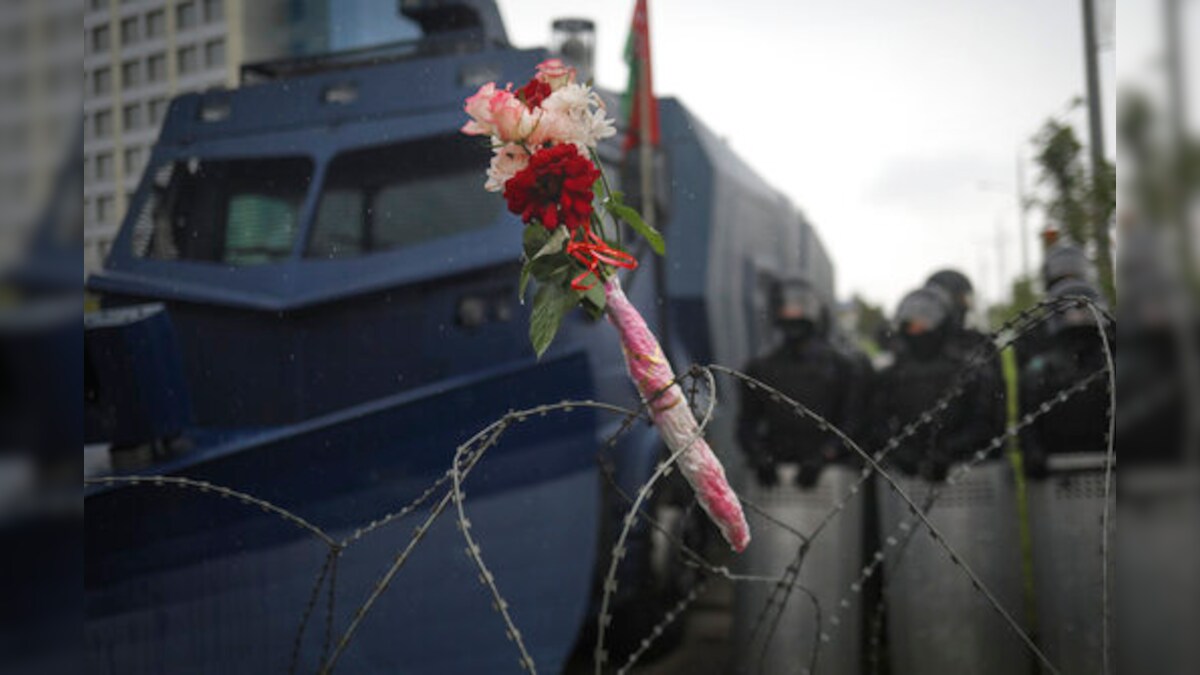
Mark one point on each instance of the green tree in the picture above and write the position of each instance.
(1162, 176)
(1080, 205)
(1024, 296)
(871, 324)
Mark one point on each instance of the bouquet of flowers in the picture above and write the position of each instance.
(544, 161)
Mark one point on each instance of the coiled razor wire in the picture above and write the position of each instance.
(1025, 322)
(468, 455)
(908, 527)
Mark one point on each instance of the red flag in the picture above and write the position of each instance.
(641, 80)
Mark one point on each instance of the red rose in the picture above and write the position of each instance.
(534, 93)
(556, 188)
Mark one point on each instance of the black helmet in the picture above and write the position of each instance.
(1065, 261)
(1074, 316)
(923, 320)
(959, 288)
(797, 308)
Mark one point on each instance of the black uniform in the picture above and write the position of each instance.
(814, 374)
(976, 352)
(1062, 261)
(1152, 397)
(1078, 424)
(810, 370)
(1152, 387)
(972, 347)
(925, 371)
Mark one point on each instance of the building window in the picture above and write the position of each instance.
(185, 16)
(156, 24)
(158, 110)
(133, 161)
(100, 39)
(97, 5)
(104, 166)
(156, 67)
(214, 54)
(102, 124)
(131, 116)
(189, 60)
(214, 10)
(101, 81)
(104, 209)
(129, 30)
(131, 74)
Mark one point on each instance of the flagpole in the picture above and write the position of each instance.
(645, 102)
(645, 147)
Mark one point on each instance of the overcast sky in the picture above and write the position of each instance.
(893, 125)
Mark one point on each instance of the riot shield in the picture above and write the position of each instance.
(829, 568)
(1157, 570)
(1065, 513)
(938, 623)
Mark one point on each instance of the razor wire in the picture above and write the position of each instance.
(471, 452)
(909, 528)
(980, 357)
(934, 532)
(1110, 459)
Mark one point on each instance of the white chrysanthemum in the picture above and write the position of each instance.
(506, 162)
(574, 114)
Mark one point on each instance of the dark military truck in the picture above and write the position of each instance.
(312, 300)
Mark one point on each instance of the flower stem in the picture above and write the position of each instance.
(607, 191)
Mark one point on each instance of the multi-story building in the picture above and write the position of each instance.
(141, 53)
(39, 108)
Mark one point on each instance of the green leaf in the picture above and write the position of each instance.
(523, 283)
(539, 243)
(550, 303)
(552, 268)
(631, 216)
(595, 294)
(534, 238)
(554, 244)
(594, 313)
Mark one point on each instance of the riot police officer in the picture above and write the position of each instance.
(975, 349)
(1072, 352)
(927, 368)
(1153, 389)
(808, 369)
(1063, 260)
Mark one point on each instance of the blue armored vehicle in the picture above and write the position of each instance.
(312, 301)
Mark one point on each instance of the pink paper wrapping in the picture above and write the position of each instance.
(651, 372)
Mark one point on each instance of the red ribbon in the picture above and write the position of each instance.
(591, 251)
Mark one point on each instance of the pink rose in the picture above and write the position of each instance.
(552, 128)
(479, 108)
(512, 121)
(555, 73)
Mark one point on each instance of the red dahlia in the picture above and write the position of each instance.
(556, 188)
(534, 92)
